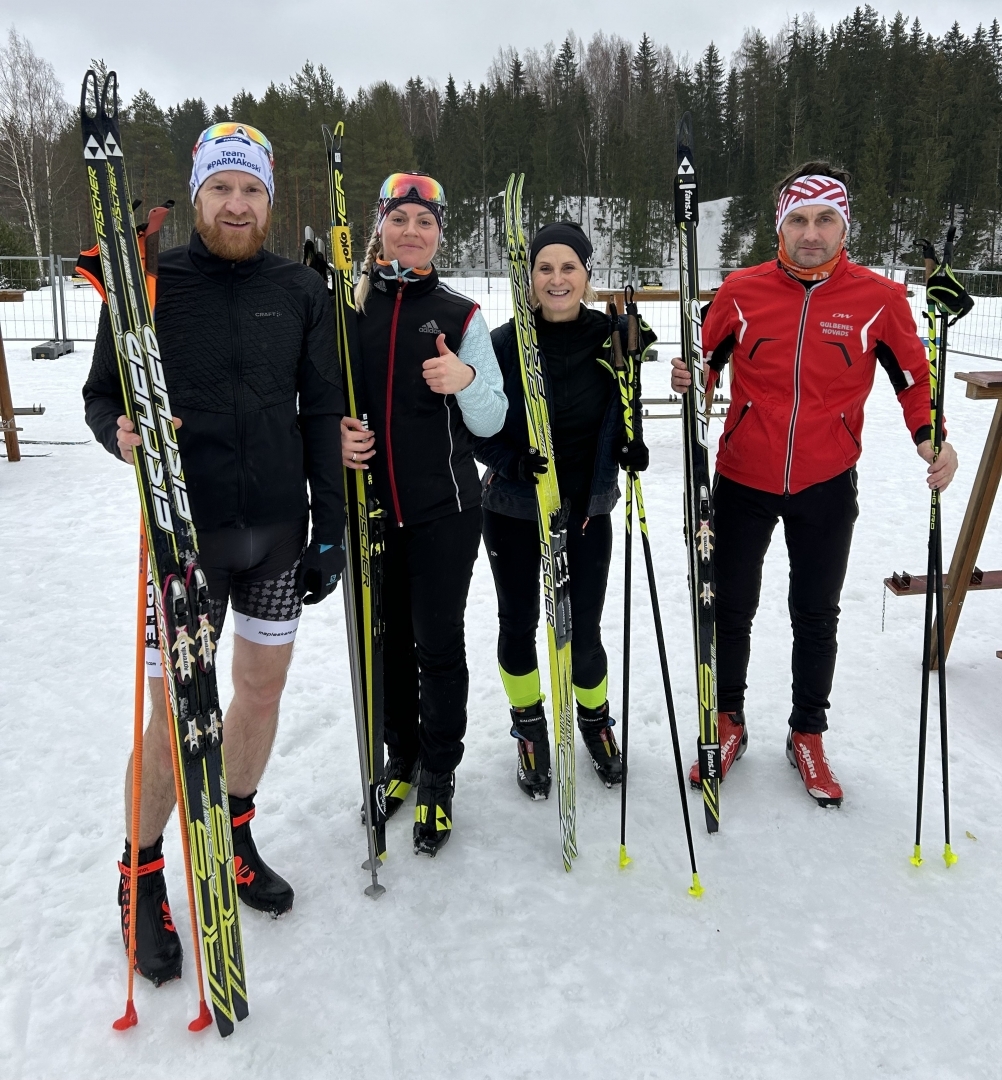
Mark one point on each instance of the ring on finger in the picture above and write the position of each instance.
(354, 456)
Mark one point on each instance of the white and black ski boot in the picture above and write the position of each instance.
(257, 884)
(528, 727)
(596, 726)
(433, 813)
(158, 948)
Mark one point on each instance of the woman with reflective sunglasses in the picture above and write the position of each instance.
(431, 383)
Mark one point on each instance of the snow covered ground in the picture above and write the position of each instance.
(817, 949)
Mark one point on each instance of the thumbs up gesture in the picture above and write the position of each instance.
(446, 373)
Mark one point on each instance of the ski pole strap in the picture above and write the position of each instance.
(148, 868)
(948, 294)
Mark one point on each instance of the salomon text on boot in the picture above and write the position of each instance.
(595, 726)
(158, 948)
(257, 884)
(433, 813)
(528, 726)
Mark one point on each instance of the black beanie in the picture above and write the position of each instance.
(562, 232)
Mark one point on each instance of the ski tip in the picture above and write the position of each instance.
(203, 1020)
(949, 856)
(916, 859)
(128, 1019)
(695, 889)
(624, 859)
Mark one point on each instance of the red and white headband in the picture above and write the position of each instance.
(814, 191)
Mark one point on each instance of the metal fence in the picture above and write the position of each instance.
(57, 305)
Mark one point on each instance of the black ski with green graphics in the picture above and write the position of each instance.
(186, 634)
(364, 528)
(699, 532)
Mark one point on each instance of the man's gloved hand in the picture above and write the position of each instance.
(531, 465)
(634, 455)
(319, 571)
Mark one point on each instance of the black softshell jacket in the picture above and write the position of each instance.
(424, 467)
(249, 356)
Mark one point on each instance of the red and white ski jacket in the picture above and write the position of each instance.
(803, 364)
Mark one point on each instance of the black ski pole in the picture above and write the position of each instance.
(628, 373)
(945, 296)
(621, 372)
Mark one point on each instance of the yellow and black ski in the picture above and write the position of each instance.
(364, 535)
(186, 634)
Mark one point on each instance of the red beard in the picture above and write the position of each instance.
(234, 247)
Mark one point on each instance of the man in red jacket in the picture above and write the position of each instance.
(804, 334)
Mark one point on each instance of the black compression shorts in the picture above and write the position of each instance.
(253, 569)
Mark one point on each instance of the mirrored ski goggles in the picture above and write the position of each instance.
(227, 129)
(406, 185)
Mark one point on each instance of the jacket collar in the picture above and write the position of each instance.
(214, 267)
(391, 286)
(840, 271)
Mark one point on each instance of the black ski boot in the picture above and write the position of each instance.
(433, 813)
(399, 777)
(595, 726)
(257, 884)
(158, 948)
(528, 727)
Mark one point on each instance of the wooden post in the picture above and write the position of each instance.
(981, 385)
(6, 404)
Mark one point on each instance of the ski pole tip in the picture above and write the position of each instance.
(695, 889)
(128, 1019)
(949, 856)
(203, 1020)
(916, 859)
(624, 859)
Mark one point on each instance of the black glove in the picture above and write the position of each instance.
(531, 466)
(319, 571)
(634, 456)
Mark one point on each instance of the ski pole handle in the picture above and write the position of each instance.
(619, 360)
(948, 249)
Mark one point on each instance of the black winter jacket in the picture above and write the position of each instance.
(423, 468)
(249, 356)
(503, 492)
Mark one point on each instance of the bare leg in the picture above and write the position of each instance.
(259, 673)
(158, 773)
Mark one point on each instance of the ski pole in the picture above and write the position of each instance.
(945, 296)
(628, 374)
(929, 254)
(623, 377)
(129, 1018)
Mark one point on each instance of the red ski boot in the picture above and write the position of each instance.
(807, 753)
(733, 738)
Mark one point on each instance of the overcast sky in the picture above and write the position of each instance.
(213, 50)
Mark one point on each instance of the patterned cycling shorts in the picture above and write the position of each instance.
(253, 569)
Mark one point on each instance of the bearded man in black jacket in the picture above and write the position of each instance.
(247, 340)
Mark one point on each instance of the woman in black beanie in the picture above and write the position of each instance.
(589, 447)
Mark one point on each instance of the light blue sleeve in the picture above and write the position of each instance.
(483, 402)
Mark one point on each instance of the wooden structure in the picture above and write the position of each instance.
(7, 416)
(964, 576)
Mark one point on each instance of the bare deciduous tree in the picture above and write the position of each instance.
(33, 113)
